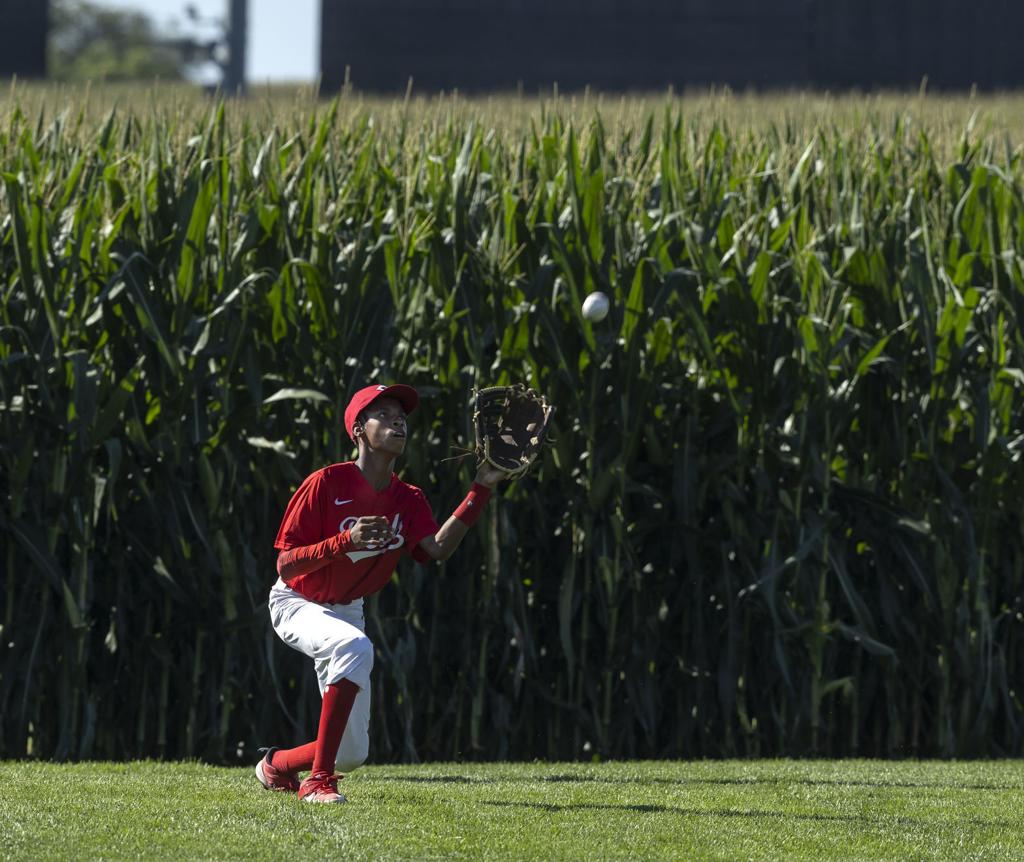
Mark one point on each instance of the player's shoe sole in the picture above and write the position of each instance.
(275, 779)
(324, 796)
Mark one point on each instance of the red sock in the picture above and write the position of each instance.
(295, 759)
(338, 700)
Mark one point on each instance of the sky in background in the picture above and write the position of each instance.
(283, 34)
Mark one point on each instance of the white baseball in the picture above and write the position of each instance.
(595, 306)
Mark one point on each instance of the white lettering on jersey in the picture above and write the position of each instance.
(397, 539)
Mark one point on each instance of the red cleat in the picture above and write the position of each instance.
(322, 787)
(273, 778)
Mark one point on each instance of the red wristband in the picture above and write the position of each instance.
(470, 509)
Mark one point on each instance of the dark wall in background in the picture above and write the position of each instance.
(651, 44)
(23, 26)
(956, 43)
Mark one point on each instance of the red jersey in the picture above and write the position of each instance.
(330, 501)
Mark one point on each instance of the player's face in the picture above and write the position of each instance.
(385, 427)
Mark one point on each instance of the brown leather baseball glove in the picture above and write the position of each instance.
(511, 423)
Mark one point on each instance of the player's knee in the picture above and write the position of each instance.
(353, 758)
(354, 658)
(363, 650)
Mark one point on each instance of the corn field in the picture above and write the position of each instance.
(781, 511)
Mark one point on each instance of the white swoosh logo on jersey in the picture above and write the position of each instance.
(341, 502)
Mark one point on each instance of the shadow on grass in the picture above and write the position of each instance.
(732, 812)
(811, 782)
(686, 812)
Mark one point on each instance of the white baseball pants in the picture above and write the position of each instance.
(334, 637)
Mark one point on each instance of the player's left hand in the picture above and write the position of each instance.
(489, 476)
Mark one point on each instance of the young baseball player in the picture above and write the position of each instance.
(342, 535)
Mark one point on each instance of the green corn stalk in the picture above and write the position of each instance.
(793, 529)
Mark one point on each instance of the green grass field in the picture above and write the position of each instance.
(710, 810)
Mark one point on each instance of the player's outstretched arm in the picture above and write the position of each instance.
(443, 543)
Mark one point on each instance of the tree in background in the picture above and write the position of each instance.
(89, 41)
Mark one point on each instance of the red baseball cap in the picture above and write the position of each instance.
(405, 395)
